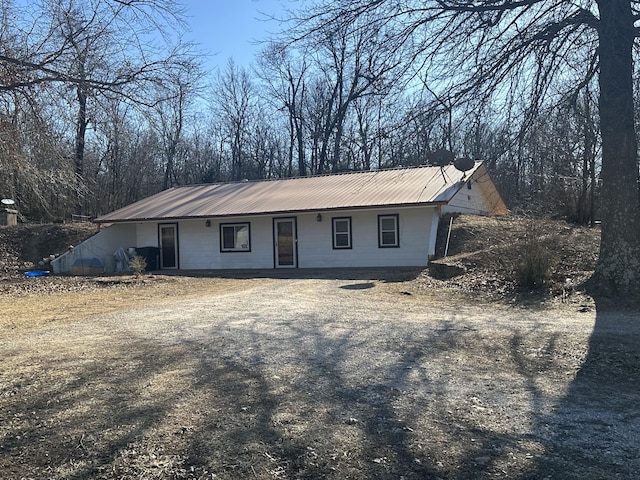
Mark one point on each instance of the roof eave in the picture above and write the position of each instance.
(104, 219)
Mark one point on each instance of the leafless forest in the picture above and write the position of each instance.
(101, 106)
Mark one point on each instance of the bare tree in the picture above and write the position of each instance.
(100, 49)
(202, 163)
(35, 168)
(285, 77)
(494, 50)
(366, 111)
(124, 163)
(349, 63)
(234, 99)
(175, 97)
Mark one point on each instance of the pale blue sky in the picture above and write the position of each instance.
(229, 28)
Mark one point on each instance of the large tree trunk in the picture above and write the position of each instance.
(618, 270)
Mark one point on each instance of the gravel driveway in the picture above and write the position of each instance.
(324, 378)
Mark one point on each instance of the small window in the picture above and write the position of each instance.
(388, 231)
(341, 232)
(234, 237)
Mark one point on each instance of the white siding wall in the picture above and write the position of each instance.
(199, 245)
(467, 200)
(146, 235)
(315, 243)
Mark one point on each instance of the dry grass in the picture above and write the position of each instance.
(56, 301)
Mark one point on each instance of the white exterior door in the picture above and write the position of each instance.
(285, 239)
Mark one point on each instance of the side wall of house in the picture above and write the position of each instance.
(469, 199)
(100, 246)
(478, 196)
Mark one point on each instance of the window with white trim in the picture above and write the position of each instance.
(388, 235)
(341, 228)
(235, 237)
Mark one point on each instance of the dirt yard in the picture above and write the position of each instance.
(342, 376)
(324, 374)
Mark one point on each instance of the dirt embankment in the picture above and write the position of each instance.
(24, 247)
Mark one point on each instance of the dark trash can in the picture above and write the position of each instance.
(151, 256)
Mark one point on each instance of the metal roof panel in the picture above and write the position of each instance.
(379, 188)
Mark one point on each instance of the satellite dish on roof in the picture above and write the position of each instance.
(464, 164)
(440, 157)
(8, 201)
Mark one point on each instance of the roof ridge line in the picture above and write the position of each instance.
(317, 175)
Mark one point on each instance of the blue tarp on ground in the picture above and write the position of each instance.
(36, 273)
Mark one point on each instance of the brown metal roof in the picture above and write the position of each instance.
(396, 187)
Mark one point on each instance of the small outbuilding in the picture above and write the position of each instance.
(8, 217)
(381, 218)
(8, 214)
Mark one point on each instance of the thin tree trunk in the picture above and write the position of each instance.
(586, 208)
(81, 130)
(302, 167)
(292, 140)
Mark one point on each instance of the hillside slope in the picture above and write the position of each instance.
(22, 247)
(489, 250)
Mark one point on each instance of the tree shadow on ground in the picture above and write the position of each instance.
(71, 414)
(317, 397)
(315, 410)
(594, 431)
(402, 417)
(302, 414)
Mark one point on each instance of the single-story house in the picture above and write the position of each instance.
(380, 218)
